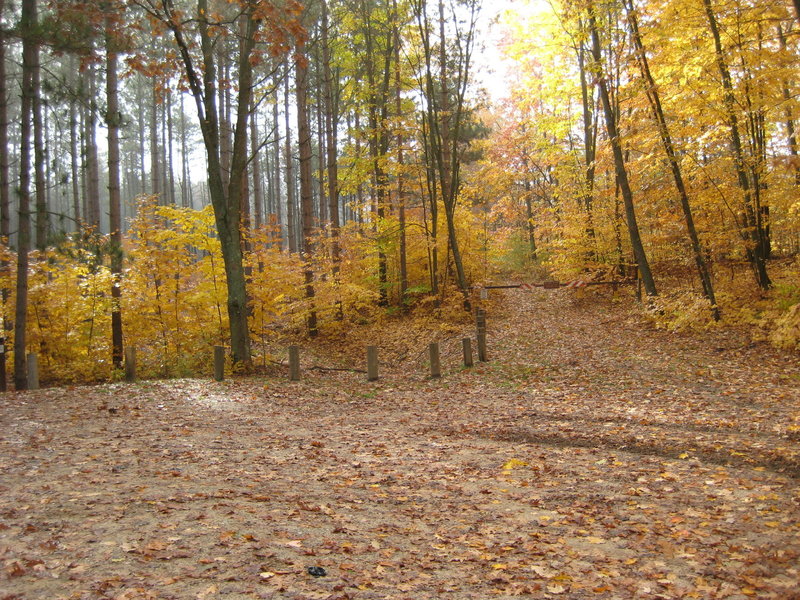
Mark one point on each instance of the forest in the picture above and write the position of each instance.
(602, 194)
(176, 175)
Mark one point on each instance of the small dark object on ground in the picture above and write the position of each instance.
(316, 571)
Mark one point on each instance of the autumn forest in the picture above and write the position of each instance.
(399, 299)
(176, 175)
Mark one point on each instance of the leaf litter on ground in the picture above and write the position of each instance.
(592, 457)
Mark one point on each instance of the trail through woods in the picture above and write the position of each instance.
(592, 457)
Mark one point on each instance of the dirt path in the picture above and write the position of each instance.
(591, 458)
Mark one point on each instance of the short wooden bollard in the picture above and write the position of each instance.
(294, 363)
(3, 382)
(480, 322)
(466, 345)
(482, 354)
(33, 372)
(130, 363)
(436, 367)
(372, 363)
(219, 363)
(480, 318)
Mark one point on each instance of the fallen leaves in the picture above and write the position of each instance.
(595, 540)
(525, 479)
(514, 463)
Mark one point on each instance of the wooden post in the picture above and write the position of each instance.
(33, 371)
(294, 363)
(3, 382)
(482, 355)
(130, 363)
(480, 321)
(372, 363)
(466, 345)
(484, 294)
(436, 367)
(219, 363)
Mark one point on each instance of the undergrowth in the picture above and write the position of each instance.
(772, 315)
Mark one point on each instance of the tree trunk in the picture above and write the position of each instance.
(74, 154)
(166, 192)
(291, 209)
(42, 217)
(237, 195)
(227, 201)
(30, 60)
(5, 186)
(433, 196)
(170, 175)
(529, 214)
(113, 118)
(377, 112)
(223, 86)
(92, 210)
(752, 230)
(446, 117)
(589, 147)
(276, 154)
(755, 128)
(276, 167)
(443, 121)
(258, 191)
(331, 130)
(322, 215)
(306, 192)
(141, 102)
(619, 161)
(401, 201)
(359, 188)
(186, 182)
(155, 169)
(669, 150)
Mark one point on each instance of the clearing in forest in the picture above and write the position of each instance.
(592, 457)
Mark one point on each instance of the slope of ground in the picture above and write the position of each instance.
(592, 457)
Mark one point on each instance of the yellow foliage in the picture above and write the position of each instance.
(69, 297)
(786, 329)
(174, 293)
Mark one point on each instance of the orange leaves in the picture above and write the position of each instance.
(256, 58)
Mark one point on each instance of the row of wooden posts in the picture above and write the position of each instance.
(372, 355)
(294, 358)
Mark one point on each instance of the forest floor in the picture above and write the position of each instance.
(592, 457)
